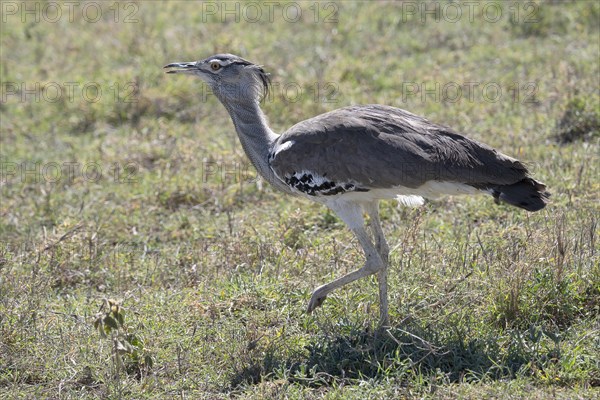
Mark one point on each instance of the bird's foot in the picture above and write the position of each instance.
(317, 298)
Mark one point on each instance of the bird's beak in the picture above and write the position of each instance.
(182, 67)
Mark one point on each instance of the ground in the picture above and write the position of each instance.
(141, 258)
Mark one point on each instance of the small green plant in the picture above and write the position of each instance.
(128, 351)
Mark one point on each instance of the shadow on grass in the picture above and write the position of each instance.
(407, 353)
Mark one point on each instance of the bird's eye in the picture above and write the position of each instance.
(215, 66)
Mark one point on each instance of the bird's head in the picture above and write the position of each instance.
(231, 78)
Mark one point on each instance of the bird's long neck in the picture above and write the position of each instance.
(256, 137)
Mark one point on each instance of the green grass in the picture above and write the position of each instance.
(214, 270)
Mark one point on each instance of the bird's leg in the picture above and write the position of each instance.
(352, 215)
(384, 251)
(378, 236)
(373, 264)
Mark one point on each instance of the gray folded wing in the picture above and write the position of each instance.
(377, 146)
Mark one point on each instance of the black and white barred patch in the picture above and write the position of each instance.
(315, 185)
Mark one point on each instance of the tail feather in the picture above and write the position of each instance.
(528, 194)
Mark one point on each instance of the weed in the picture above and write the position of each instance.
(128, 352)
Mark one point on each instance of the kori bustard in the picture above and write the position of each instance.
(351, 158)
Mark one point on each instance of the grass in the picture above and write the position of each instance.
(141, 193)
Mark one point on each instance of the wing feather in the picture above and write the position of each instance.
(382, 147)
